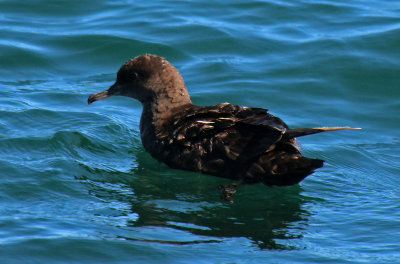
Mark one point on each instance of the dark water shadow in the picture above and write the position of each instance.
(190, 202)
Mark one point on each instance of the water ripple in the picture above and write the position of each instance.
(77, 179)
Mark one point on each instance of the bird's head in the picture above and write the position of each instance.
(146, 78)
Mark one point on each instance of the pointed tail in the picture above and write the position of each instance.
(299, 132)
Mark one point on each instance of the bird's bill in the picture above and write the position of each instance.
(113, 90)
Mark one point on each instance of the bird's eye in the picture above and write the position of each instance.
(133, 76)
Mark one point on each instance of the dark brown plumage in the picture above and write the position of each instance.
(240, 143)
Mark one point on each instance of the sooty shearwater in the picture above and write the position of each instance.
(245, 144)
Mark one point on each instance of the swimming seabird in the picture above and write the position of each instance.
(245, 144)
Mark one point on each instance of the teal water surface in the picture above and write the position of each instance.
(76, 185)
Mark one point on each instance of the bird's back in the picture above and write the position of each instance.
(234, 142)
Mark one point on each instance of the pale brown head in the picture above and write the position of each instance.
(147, 78)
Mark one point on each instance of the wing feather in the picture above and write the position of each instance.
(228, 132)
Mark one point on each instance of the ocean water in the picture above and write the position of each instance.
(76, 185)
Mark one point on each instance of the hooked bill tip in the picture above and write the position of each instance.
(91, 99)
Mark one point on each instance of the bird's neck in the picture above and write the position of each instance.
(156, 115)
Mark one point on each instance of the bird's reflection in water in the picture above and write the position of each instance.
(191, 202)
